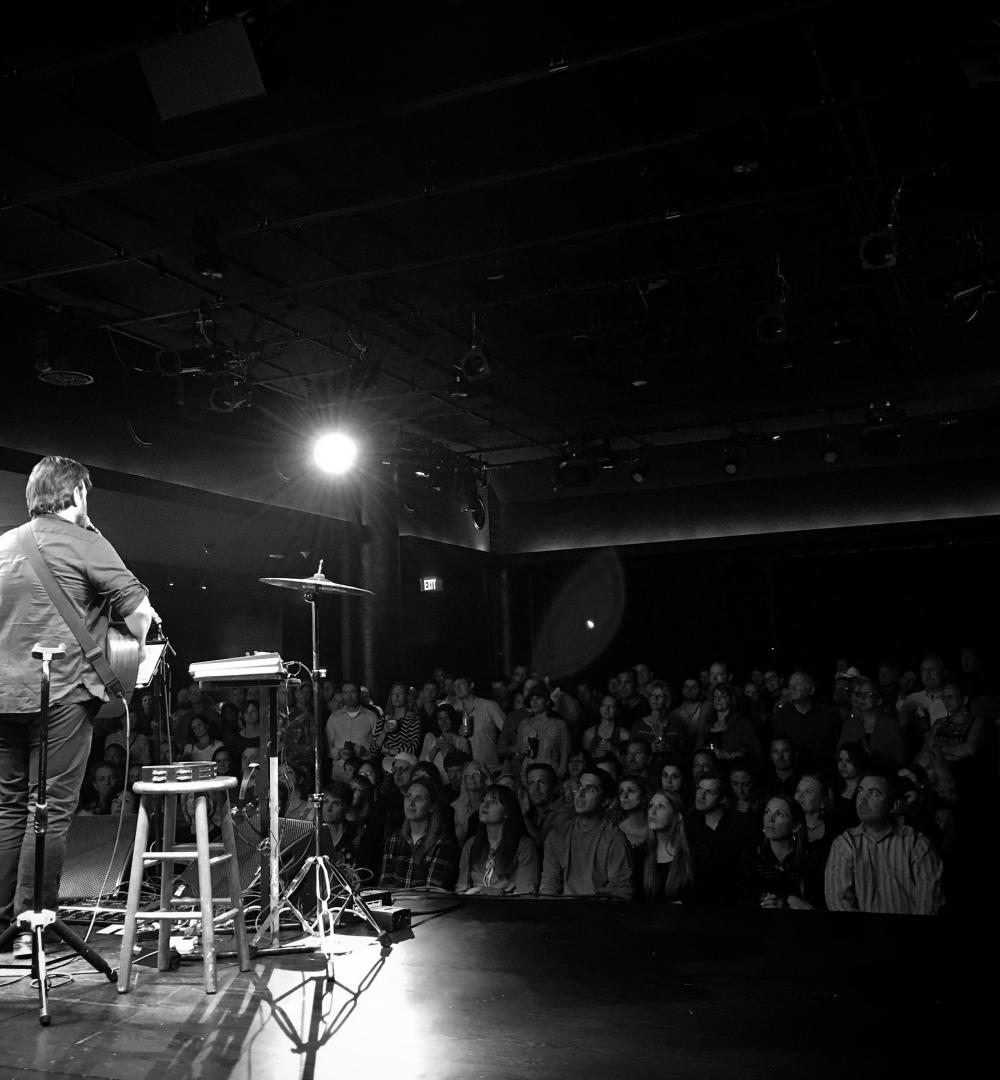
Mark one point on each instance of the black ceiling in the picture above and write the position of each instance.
(654, 221)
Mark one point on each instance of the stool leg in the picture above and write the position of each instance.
(166, 882)
(235, 889)
(205, 889)
(132, 903)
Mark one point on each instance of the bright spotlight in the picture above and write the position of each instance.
(335, 453)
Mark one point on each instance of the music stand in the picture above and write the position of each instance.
(39, 918)
(323, 867)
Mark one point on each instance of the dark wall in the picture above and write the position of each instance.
(863, 595)
(457, 628)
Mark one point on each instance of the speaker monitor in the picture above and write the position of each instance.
(94, 866)
(295, 840)
(203, 70)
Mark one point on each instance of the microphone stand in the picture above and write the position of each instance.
(38, 919)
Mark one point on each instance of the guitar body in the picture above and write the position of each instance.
(122, 653)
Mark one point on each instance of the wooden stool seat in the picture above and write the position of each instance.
(205, 854)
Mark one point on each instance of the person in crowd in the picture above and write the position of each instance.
(507, 745)
(203, 743)
(398, 728)
(746, 803)
(673, 780)
(125, 802)
(587, 855)
(136, 744)
(229, 716)
(454, 768)
(783, 775)
(590, 704)
(643, 677)
(330, 699)
(475, 778)
(337, 832)
(814, 794)
(349, 731)
(974, 678)
(811, 725)
(887, 685)
(248, 733)
(299, 782)
(606, 739)
(664, 735)
(367, 837)
(427, 703)
(223, 762)
(638, 761)
(958, 735)
(633, 794)
(421, 853)
(632, 705)
(388, 809)
(542, 736)
(482, 721)
(705, 762)
(852, 763)
(881, 866)
(715, 845)
(879, 732)
(114, 754)
(770, 697)
(104, 784)
(499, 858)
(437, 746)
(663, 868)
(576, 764)
(782, 872)
(542, 807)
(729, 733)
(920, 709)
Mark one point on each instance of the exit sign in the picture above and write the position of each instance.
(431, 584)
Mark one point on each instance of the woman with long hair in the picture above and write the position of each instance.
(500, 859)
(398, 728)
(421, 853)
(784, 872)
(434, 746)
(729, 732)
(633, 795)
(665, 869)
(852, 761)
(466, 806)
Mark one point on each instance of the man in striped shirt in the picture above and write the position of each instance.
(882, 866)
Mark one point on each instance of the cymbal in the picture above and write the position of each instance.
(318, 583)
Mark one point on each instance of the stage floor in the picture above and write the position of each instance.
(542, 989)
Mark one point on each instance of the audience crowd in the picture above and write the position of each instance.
(842, 791)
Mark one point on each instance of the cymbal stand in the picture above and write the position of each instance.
(323, 867)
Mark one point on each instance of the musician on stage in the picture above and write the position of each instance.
(95, 579)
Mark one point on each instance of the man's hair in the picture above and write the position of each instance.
(545, 767)
(878, 770)
(609, 785)
(51, 485)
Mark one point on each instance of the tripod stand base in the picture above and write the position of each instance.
(36, 923)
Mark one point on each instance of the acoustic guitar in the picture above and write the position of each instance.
(121, 650)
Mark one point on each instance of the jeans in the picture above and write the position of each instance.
(70, 731)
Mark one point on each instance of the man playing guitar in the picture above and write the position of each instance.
(95, 579)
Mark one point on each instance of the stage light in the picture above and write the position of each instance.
(335, 453)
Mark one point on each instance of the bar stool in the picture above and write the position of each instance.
(207, 855)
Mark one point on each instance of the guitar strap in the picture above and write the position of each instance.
(62, 603)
